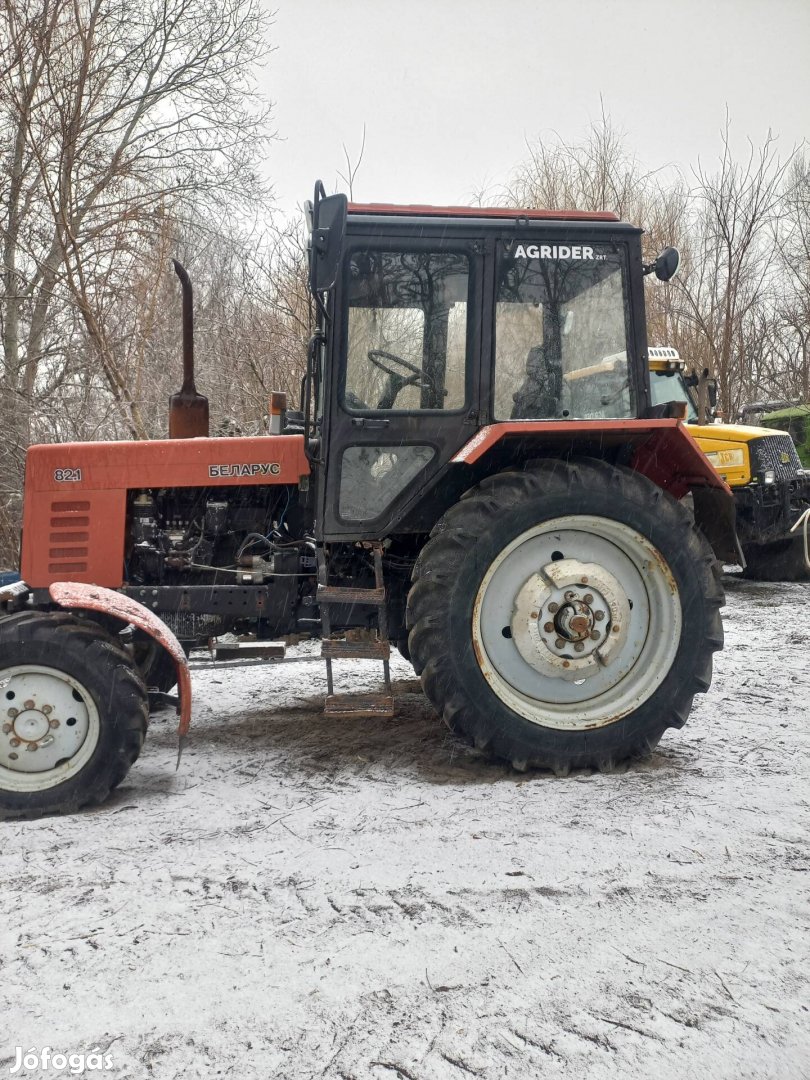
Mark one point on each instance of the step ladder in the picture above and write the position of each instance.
(343, 648)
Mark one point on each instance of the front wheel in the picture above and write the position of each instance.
(565, 616)
(74, 714)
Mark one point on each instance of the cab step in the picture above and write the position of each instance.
(334, 594)
(248, 650)
(333, 649)
(355, 643)
(359, 705)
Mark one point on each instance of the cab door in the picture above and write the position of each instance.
(402, 379)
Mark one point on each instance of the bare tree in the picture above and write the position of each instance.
(118, 122)
(352, 167)
(727, 282)
(735, 308)
(116, 118)
(790, 374)
(597, 172)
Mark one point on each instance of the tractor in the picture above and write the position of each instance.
(463, 479)
(762, 466)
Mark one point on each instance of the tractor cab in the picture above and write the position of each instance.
(438, 322)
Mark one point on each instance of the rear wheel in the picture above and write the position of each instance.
(74, 714)
(565, 616)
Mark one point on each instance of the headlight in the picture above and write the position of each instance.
(768, 476)
(725, 459)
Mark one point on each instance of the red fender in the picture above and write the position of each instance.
(74, 594)
(663, 450)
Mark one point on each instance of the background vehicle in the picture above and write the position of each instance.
(762, 467)
(796, 421)
(463, 478)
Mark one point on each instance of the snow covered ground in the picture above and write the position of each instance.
(367, 899)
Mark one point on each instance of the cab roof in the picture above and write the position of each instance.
(788, 414)
(504, 212)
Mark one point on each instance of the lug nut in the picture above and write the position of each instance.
(588, 598)
(13, 756)
(29, 704)
(599, 615)
(559, 643)
(32, 746)
(7, 728)
(594, 637)
(54, 722)
(47, 709)
(569, 595)
(549, 628)
(14, 742)
(552, 607)
(579, 647)
(12, 713)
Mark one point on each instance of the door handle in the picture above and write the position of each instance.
(367, 422)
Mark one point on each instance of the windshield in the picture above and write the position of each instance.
(561, 332)
(669, 386)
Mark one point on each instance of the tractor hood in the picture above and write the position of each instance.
(726, 447)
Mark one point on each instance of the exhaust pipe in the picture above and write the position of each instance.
(188, 410)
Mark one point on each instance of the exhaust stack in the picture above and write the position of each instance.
(188, 410)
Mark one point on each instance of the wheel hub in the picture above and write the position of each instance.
(575, 620)
(31, 726)
(570, 619)
(45, 722)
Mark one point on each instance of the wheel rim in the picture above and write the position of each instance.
(50, 727)
(577, 622)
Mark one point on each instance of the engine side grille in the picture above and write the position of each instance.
(775, 452)
(68, 537)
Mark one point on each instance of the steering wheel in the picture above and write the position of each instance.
(376, 356)
(396, 381)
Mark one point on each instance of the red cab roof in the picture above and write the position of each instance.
(416, 210)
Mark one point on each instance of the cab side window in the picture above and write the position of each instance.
(407, 331)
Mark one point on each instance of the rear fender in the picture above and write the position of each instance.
(76, 595)
(663, 450)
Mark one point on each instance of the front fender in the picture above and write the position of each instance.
(76, 595)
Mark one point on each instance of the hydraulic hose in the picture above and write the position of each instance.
(804, 521)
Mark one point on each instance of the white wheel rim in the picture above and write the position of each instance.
(615, 579)
(50, 727)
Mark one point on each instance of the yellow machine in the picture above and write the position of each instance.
(762, 467)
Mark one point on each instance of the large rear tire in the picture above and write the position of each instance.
(74, 714)
(565, 617)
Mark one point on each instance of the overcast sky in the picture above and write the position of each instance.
(450, 90)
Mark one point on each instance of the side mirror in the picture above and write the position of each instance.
(328, 217)
(666, 265)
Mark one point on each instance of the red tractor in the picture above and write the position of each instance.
(466, 478)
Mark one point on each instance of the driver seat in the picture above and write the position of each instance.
(539, 395)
